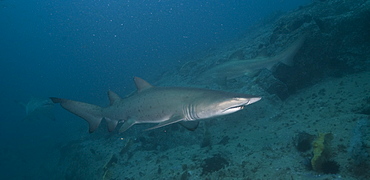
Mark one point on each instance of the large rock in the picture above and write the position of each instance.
(337, 43)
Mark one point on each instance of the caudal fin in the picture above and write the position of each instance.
(288, 54)
(91, 113)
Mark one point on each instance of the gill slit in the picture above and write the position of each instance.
(189, 112)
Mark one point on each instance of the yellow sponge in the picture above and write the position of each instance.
(320, 150)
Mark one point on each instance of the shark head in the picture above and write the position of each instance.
(221, 104)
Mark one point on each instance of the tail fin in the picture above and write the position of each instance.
(91, 113)
(23, 104)
(287, 56)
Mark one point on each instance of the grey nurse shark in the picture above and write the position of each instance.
(162, 105)
(236, 68)
(38, 108)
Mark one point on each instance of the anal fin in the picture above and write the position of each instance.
(111, 124)
(127, 124)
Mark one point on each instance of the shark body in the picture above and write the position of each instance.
(237, 68)
(162, 105)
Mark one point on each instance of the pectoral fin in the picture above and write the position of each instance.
(172, 120)
(190, 125)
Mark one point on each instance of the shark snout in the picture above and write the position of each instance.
(253, 100)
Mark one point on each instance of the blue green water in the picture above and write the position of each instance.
(80, 49)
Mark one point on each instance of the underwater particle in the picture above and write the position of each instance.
(330, 167)
(303, 141)
(213, 164)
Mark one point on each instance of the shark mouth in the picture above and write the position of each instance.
(233, 109)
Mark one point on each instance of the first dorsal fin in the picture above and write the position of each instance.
(113, 97)
(141, 84)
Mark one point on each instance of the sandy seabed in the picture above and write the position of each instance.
(257, 143)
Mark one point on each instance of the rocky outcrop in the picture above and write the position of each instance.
(337, 43)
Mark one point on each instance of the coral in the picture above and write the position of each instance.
(330, 167)
(213, 164)
(357, 145)
(303, 141)
(320, 150)
(107, 173)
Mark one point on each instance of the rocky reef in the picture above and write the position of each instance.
(336, 44)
